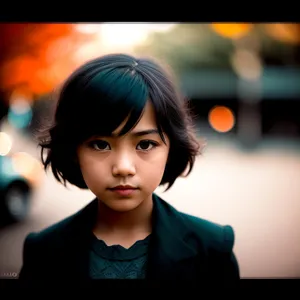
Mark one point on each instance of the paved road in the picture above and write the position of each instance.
(257, 193)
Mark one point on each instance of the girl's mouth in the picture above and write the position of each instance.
(123, 191)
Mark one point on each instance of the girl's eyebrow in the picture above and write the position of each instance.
(141, 133)
(145, 132)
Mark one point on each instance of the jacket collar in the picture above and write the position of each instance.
(168, 243)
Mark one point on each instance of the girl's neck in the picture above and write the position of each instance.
(136, 221)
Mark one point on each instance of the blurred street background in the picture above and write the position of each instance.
(243, 81)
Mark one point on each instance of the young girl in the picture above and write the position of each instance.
(121, 130)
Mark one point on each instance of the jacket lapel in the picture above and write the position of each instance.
(80, 241)
(170, 256)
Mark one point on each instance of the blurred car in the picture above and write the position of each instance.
(19, 174)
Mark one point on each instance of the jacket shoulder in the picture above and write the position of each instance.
(212, 235)
(57, 233)
(49, 238)
(40, 247)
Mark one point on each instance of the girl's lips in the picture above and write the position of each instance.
(124, 191)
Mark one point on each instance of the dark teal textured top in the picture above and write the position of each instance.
(117, 262)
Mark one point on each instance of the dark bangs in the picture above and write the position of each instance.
(100, 103)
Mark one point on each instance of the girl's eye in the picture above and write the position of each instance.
(99, 145)
(147, 145)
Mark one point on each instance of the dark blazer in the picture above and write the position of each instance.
(182, 247)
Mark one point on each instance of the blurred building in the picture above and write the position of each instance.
(270, 105)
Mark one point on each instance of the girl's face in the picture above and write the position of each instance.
(137, 159)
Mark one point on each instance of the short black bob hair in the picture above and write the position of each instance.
(97, 98)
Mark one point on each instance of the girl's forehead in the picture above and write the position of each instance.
(146, 122)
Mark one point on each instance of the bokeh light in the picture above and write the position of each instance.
(284, 32)
(28, 166)
(5, 143)
(232, 30)
(221, 118)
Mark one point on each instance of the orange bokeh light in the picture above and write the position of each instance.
(288, 33)
(221, 118)
(232, 30)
